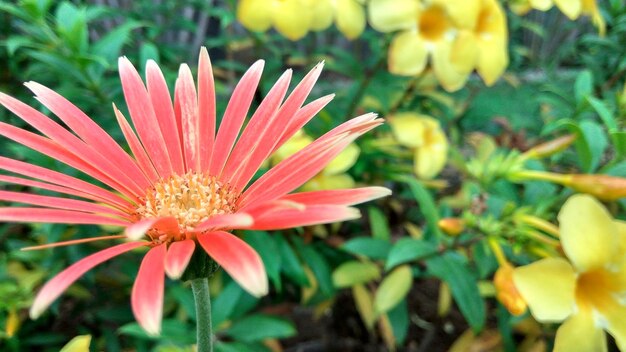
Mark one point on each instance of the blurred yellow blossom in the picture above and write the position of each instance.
(295, 18)
(571, 8)
(424, 135)
(587, 291)
(333, 176)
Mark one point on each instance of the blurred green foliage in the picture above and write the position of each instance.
(384, 265)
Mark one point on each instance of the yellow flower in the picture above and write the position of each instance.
(506, 292)
(424, 135)
(427, 30)
(571, 8)
(333, 176)
(291, 18)
(483, 43)
(349, 16)
(587, 291)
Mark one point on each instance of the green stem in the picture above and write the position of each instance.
(204, 328)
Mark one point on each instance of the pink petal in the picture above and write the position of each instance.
(225, 221)
(239, 260)
(72, 143)
(87, 130)
(58, 216)
(61, 203)
(166, 224)
(147, 295)
(187, 97)
(206, 108)
(259, 135)
(177, 258)
(234, 116)
(162, 104)
(338, 196)
(53, 288)
(51, 149)
(135, 146)
(284, 218)
(144, 118)
(262, 141)
(59, 189)
(34, 171)
(302, 117)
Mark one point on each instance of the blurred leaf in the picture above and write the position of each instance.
(374, 248)
(267, 248)
(393, 289)
(399, 319)
(408, 249)
(355, 272)
(583, 87)
(452, 269)
(426, 204)
(72, 25)
(604, 113)
(596, 140)
(110, 45)
(318, 265)
(290, 263)
(224, 304)
(15, 42)
(78, 344)
(364, 305)
(259, 327)
(619, 143)
(378, 224)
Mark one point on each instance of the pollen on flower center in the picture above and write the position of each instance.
(191, 199)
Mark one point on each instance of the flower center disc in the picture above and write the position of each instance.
(191, 198)
(433, 23)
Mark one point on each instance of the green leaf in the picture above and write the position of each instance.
(452, 269)
(426, 204)
(393, 289)
(71, 24)
(290, 264)
(374, 248)
(378, 224)
(399, 319)
(596, 140)
(619, 143)
(408, 249)
(224, 305)
(267, 248)
(318, 265)
(355, 272)
(15, 42)
(604, 113)
(583, 86)
(259, 327)
(111, 44)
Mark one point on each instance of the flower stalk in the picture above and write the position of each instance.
(204, 327)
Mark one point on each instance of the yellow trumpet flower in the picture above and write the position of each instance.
(586, 291)
(348, 15)
(571, 8)
(424, 135)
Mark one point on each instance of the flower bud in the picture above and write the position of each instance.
(551, 147)
(603, 187)
(506, 292)
(452, 226)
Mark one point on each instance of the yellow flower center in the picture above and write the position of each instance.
(433, 23)
(486, 25)
(596, 289)
(191, 198)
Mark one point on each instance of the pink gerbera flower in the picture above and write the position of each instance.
(185, 182)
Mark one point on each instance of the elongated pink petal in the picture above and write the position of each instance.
(206, 108)
(88, 130)
(162, 103)
(239, 260)
(53, 288)
(262, 141)
(234, 116)
(59, 189)
(138, 230)
(284, 218)
(44, 215)
(47, 175)
(177, 258)
(262, 129)
(302, 117)
(51, 149)
(147, 295)
(60, 203)
(338, 196)
(186, 94)
(72, 242)
(135, 146)
(144, 118)
(225, 221)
